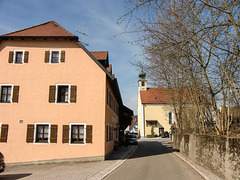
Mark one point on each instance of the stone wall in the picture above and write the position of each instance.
(219, 154)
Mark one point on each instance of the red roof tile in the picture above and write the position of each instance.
(155, 96)
(100, 55)
(47, 29)
(158, 96)
(132, 123)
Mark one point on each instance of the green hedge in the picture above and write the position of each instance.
(152, 136)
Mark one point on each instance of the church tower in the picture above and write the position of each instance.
(142, 82)
(142, 86)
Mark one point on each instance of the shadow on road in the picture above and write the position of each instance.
(150, 148)
(145, 148)
(14, 176)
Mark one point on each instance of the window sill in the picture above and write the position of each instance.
(42, 143)
(77, 144)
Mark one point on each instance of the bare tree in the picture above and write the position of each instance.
(193, 44)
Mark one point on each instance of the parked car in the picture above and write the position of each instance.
(2, 163)
(165, 134)
(131, 139)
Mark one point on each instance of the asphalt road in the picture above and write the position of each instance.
(153, 160)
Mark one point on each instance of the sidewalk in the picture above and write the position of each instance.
(96, 170)
(117, 158)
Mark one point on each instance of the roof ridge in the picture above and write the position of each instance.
(98, 51)
(62, 27)
(38, 26)
(27, 28)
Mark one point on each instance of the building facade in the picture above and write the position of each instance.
(155, 110)
(58, 100)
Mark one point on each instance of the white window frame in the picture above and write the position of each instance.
(15, 55)
(56, 93)
(1, 93)
(35, 133)
(50, 56)
(70, 134)
(172, 117)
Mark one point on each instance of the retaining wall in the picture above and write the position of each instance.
(219, 154)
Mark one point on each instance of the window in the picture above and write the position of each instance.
(116, 131)
(18, 56)
(42, 133)
(114, 106)
(108, 97)
(111, 102)
(77, 134)
(170, 117)
(54, 56)
(62, 93)
(109, 132)
(8, 93)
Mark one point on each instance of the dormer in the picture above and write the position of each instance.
(102, 57)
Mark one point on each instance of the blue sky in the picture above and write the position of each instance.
(97, 18)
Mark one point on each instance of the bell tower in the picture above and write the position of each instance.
(142, 82)
(142, 86)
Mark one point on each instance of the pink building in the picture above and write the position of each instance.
(58, 101)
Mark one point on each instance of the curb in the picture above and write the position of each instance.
(114, 166)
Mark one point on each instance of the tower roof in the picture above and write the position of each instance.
(142, 75)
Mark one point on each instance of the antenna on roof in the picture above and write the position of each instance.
(82, 35)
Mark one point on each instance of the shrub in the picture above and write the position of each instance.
(152, 136)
